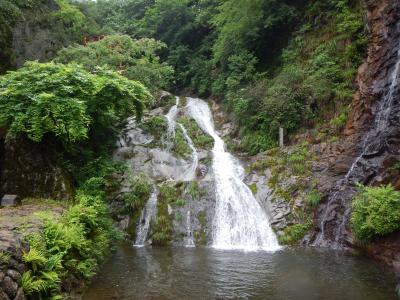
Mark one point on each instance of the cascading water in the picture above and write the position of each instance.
(147, 214)
(375, 139)
(240, 222)
(171, 116)
(189, 234)
(190, 173)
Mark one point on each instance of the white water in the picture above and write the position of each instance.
(147, 214)
(380, 126)
(240, 222)
(190, 173)
(171, 116)
(189, 233)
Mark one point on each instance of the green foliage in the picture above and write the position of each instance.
(161, 227)
(71, 17)
(134, 59)
(66, 24)
(180, 147)
(66, 101)
(200, 235)
(313, 198)
(155, 125)
(200, 139)
(253, 188)
(74, 244)
(4, 257)
(194, 190)
(299, 159)
(293, 233)
(376, 212)
(139, 193)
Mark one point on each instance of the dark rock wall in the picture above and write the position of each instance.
(30, 170)
(370, 150)
(32, 36)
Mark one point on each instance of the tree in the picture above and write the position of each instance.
(135, 59)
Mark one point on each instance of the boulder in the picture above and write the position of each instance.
(9, 287)
(10, 200)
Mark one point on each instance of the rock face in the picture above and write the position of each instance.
(373, 135)
(36, 36)
(30, 170)
(150, 154)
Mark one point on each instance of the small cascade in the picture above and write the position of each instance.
(171, 116)
(190, 174)
(240, 222)
(374, 142)
(189, 234)
(147, 214)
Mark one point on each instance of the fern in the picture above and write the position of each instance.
(34, 258)
(4, 257)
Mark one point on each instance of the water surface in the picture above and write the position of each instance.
(206, 273)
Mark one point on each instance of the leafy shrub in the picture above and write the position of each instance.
(135, 59)
(376, 212)
(298, 160)
(139, 193)
(155, 125)
(292, 234)
(257, 142)
(74, 244)
(64, 100)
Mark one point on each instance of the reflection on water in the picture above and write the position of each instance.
(204, 273)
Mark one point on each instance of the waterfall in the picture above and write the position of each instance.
(240, 222)
(147, 214)
(374, 137)
(189, 233)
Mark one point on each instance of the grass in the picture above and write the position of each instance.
(313, 198)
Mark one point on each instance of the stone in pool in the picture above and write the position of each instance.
(10, 200)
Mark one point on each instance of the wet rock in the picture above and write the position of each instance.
(20, 295)
(3, 295)
(15, 275)
(30, 169)
(9, 287)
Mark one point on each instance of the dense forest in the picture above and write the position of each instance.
(74, 71)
